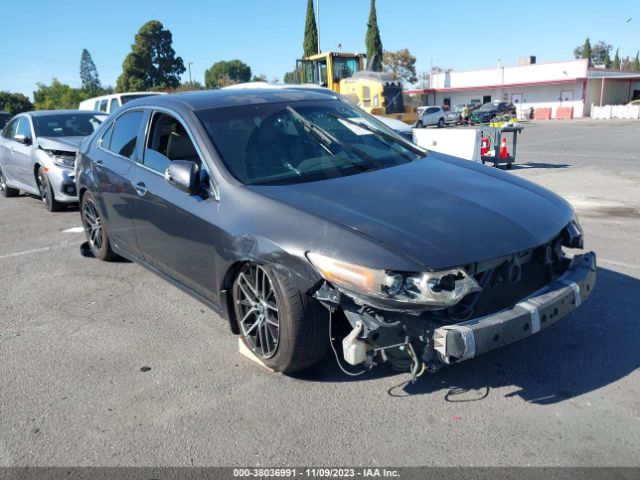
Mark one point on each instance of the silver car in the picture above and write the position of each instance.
(38, 150)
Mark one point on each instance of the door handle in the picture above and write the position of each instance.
(141, 189)
(98, 164)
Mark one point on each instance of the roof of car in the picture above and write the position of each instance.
(45, 113)
(206, 99)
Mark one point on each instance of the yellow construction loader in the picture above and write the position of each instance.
(375, 92)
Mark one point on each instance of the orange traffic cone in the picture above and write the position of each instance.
(484, 146)
(503, 148)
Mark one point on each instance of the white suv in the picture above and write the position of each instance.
(430, 116)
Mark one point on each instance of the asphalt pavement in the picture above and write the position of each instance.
(106, 364)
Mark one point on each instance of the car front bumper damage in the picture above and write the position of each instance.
(407, 340)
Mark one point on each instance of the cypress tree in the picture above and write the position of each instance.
(635, 66)
(616, 61)
(310, 44)
(372, 40)
(586, 50)
(89, 73)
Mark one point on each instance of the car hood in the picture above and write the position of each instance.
(440, 211)
(65, 144)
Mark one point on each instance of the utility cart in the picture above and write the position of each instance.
(492, 148)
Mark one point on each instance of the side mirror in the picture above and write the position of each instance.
(184, 175)
(23, 139)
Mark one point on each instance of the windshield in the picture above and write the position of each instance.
(488, 106)
(303, 141)
(67, 124)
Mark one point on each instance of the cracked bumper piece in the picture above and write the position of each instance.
(468, 339)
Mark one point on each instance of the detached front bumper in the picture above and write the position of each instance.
(471, 338)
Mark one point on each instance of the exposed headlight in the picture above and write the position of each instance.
(62, 159)
(573, 234)
(431, 289)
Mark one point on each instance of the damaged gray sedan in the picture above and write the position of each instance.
(290, 211)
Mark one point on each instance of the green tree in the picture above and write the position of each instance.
(583, 51)
(58, 96)
(310, 45)
(14, 103)
(616, 61)
(152, 62)
(259, 78)
(89, 74)
(225, 73)
(401, 64)
(600, 54)
(635, 65)
(289, 77)
(373, 41)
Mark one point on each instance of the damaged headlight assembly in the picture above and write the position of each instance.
(62, 159)
(427, 290)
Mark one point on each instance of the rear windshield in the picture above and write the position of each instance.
(270, 144)
(67, 124)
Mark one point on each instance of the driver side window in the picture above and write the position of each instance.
(168, 140)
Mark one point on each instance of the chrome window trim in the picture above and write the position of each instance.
(213, 191)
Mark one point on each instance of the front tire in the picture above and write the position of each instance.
(46, 192)
(95, 229)
(284, 328)
(441, 123)
(5, 190)
(419, 124)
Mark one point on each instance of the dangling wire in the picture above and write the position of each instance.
(352, 374)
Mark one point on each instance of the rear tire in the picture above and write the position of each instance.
(419, 124)
(441, 123)
(5, 190)
(283, 327)
(46, 192)
(95, 229)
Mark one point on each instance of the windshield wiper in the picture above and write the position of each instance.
(375, 131)
(327, 140)
(324, 138)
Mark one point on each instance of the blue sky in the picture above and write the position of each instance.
(47, 41)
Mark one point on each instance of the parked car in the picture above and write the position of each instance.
(111, 102)
(634, 102)
(491, 110)
(37, 154)
(453, 115)
(4, 119)
(430, 116)
(270, 204)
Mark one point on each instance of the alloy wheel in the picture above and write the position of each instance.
(3, 181)
(257, 307)
(43, 188)
(92, 224)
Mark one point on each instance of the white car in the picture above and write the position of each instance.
(430, 116)
(110, 103)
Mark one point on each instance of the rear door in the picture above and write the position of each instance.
(117, 152)
(176, 232)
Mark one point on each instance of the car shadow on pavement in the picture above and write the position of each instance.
(593, 347)
(529, 165)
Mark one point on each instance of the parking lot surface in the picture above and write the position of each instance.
(76, 334)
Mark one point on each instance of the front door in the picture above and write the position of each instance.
(23, 165)
(176, 232)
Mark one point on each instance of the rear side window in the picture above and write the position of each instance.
(125, 133)
(114, 105)
(103, 105)
(168, 140)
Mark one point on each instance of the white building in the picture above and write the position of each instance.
(557, 84)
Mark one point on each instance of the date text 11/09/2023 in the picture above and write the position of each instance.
(316, 472)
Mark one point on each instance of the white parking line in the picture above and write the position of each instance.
(73, 230)
(619, 264)
(25, 252)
